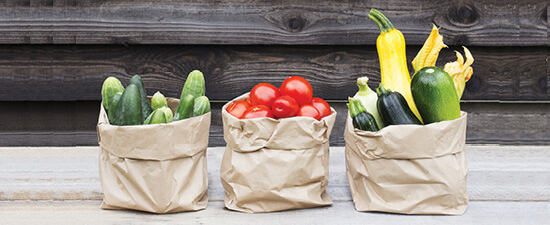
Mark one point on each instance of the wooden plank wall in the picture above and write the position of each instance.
(55, 54)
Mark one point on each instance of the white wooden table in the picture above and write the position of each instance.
(60, 185)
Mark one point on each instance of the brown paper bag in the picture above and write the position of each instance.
(274, 165)
(408, 169)
(158, 168)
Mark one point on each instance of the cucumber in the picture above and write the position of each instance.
(128, 110)
(110, 87)
(435, 96)
(361, 118)
(157, 117)
(145, 108)
(201, 106)
(185, 108)
(158, 101)
(167, 113)
(194, 85)
(393, 108)
(112, 107)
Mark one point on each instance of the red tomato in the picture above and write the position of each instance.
(257, 111)
(263, 94)
(298, 88)
(322, 106)
(310, 111)
(284, 106)
(237, 108)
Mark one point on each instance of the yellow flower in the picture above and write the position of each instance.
(460, 72)
(427, 56)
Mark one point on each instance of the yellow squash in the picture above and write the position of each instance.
(393, 61)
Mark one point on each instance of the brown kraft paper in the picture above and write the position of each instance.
(159, 168)
(408, 169)
(274, 165)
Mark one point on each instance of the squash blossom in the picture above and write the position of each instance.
(427, 56)
(460, 71)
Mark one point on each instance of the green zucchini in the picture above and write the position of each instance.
(112, 107)
(361, 118)
(201, 106)
(194, 85)
(393, 108)
(435, 96)
(145, 108)
(128, 110)
(110, 87)
(158, 101)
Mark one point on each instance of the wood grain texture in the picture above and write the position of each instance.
(497, 173)
(89, 212)
(70, 73)
(481, 23)
(74, 124)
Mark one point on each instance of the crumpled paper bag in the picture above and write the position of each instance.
(159, 168)
(274, 165)
(408, 169)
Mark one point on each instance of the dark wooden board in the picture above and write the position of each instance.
(76, 72)
(73, 123)
(314, 22)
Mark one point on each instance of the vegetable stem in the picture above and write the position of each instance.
(378, 23)
(381, 90)
(381, 21)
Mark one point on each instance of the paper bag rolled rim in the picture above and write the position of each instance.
(183, 138)
(243, 144)
(395, 141)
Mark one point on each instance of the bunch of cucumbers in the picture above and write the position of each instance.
(130, 105)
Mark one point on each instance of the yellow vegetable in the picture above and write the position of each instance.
(460, 71)
(393, 61)
(427, 56)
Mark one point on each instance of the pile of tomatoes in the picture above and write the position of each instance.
(293, 98)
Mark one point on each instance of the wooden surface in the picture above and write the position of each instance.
(496, 173)
(74, 123)
(76, 73)
(487, 22)
(41, 185)
(88, 212)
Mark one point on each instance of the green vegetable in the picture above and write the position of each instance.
(368, 99)
(362, 119)
(167, 113)
(201, 106)
(435, 95)
(158, 100)
(157, 117)
(110, 87)
(145, 108)
(194, 85)
(112, 107)
(186, 105)
(128, 110)
(393, 108)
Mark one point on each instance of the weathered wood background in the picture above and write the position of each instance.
(55, 54)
